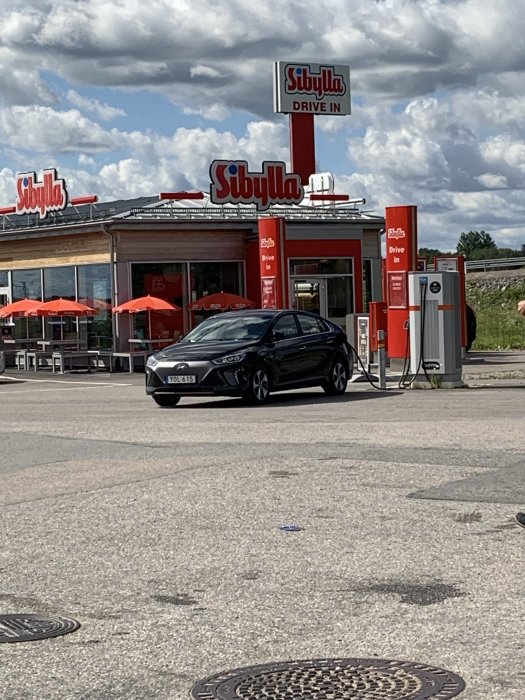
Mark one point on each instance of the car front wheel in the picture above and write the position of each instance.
(337, 379)
(166, 400)
(258, 389)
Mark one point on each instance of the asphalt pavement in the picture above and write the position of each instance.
(165, 532)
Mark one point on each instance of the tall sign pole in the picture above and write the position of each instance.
(303, 90)
(302, 145)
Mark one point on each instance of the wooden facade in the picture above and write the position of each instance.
(51, 250)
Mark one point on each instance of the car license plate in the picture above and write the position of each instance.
(181, 379)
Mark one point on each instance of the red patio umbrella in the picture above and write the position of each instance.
(147, 303)
(19, 308)
(98, 304)
(222, 301)
(61, 307)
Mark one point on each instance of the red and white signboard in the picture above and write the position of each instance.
(233, 183)
(271, 262)
(311, 88)
(40, 197)
(401, 258)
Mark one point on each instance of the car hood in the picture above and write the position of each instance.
(201, 351)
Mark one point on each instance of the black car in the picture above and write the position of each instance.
(249, 354)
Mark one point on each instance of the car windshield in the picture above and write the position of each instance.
(228, 329)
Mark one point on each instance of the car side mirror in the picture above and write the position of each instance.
(277, 335)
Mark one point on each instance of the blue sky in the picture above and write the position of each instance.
(128, 103)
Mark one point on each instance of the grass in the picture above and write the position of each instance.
(499, 325)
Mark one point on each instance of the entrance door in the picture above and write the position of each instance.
(331, 297)
(309, 295)
(339, 299)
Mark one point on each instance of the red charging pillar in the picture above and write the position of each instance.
(378, 312)
(401, 258)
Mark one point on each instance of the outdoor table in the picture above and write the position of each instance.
(71, 344)
(19, 343)
(149, 343)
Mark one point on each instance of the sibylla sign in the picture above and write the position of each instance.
(40, 197)
(311, 88)
(233, 183)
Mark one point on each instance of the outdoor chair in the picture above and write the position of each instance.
(21, 360)
(36, 359)
(132, 356)
(62, 360)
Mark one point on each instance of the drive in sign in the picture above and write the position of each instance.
(311, 88)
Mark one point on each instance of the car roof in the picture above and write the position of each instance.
(263, 313)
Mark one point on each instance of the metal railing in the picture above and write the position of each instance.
(494, 264)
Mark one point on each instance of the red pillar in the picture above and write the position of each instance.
(274, 278)
(302, 145)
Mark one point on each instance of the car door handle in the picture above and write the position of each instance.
(303, 347)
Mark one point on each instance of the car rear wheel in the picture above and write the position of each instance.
(258, 389)
(166, 400)
(337, 379)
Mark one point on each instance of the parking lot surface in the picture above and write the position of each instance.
(161, 532)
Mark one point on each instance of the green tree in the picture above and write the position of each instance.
(473, 241)
(430, 254)
(486, 254)
(509, 253)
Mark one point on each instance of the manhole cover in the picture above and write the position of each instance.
(24, 627)
(332, 679)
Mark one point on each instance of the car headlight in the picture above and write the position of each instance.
(230, 359)
(152, 361)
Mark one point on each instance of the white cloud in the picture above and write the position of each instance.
(206, 71)
(212, 112)
(504, 150)
(43, 129)
(493, 182)
(99, 109)
(85, 161)
(7, 187)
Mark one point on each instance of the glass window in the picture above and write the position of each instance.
(166, 281)
(210, 278)
(27, 284)
(340, 298)
(59, 282)
(322, 266)
(310, 325)
(94, 289)
(4, 278)
(285, 327)
(367, 284)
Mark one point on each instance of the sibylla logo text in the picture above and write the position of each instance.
(40, 197)
(233, 183)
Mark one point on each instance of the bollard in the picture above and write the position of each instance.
(381, 358)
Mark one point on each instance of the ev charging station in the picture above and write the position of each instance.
(434, 304)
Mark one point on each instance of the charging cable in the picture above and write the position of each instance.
(367, 375)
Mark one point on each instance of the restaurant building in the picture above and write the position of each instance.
(180, 247)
